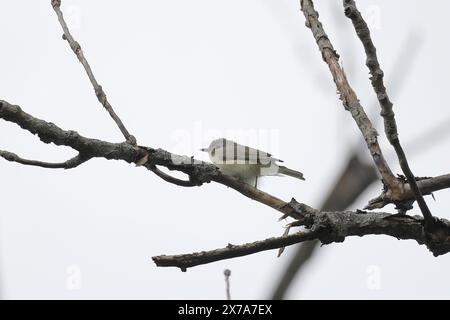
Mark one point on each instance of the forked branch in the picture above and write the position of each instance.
(327, 227)
(390, 125)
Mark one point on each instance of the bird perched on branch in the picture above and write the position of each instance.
(246, 163)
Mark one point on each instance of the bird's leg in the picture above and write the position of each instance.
(256, 182)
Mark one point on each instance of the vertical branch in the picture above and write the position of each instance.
(227, 274)
(101, 96)
(390, 125)
(348, 95)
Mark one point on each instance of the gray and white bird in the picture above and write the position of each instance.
(246, 163)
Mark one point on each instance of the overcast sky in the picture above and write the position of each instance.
(180, 73)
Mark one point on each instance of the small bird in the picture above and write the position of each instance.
(246, 163)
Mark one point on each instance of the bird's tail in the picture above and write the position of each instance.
(290, 172)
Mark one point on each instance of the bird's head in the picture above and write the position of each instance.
(214, 145)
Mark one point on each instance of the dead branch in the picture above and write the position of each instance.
(347, 94)
(390, 125)
(69, 164)
(101, 96)
(199, 172)
(327, 227)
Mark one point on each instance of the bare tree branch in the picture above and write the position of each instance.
(49, 132)
(304, 252)
(336, 201)
(199, 172)
(354, 180)
(101, 96)
(328, 227)
(425, 185)
(184, 261)
(390, 125)
(347, 94)
(69, 164)
(173, 180)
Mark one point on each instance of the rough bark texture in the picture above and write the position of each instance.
(390, 125)
(347, 94)
(199, 172)
(327, 227)
(356, 176)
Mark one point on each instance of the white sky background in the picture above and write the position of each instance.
(180, 73)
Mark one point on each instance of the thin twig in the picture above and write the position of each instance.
(168, 178)
(227, 274)
(69, 164)
(101, 96)
(390, 125)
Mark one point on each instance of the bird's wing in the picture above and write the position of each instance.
(237, 152)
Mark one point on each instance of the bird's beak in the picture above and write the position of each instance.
(204, 149)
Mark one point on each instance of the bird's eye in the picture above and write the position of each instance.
(213, 152)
